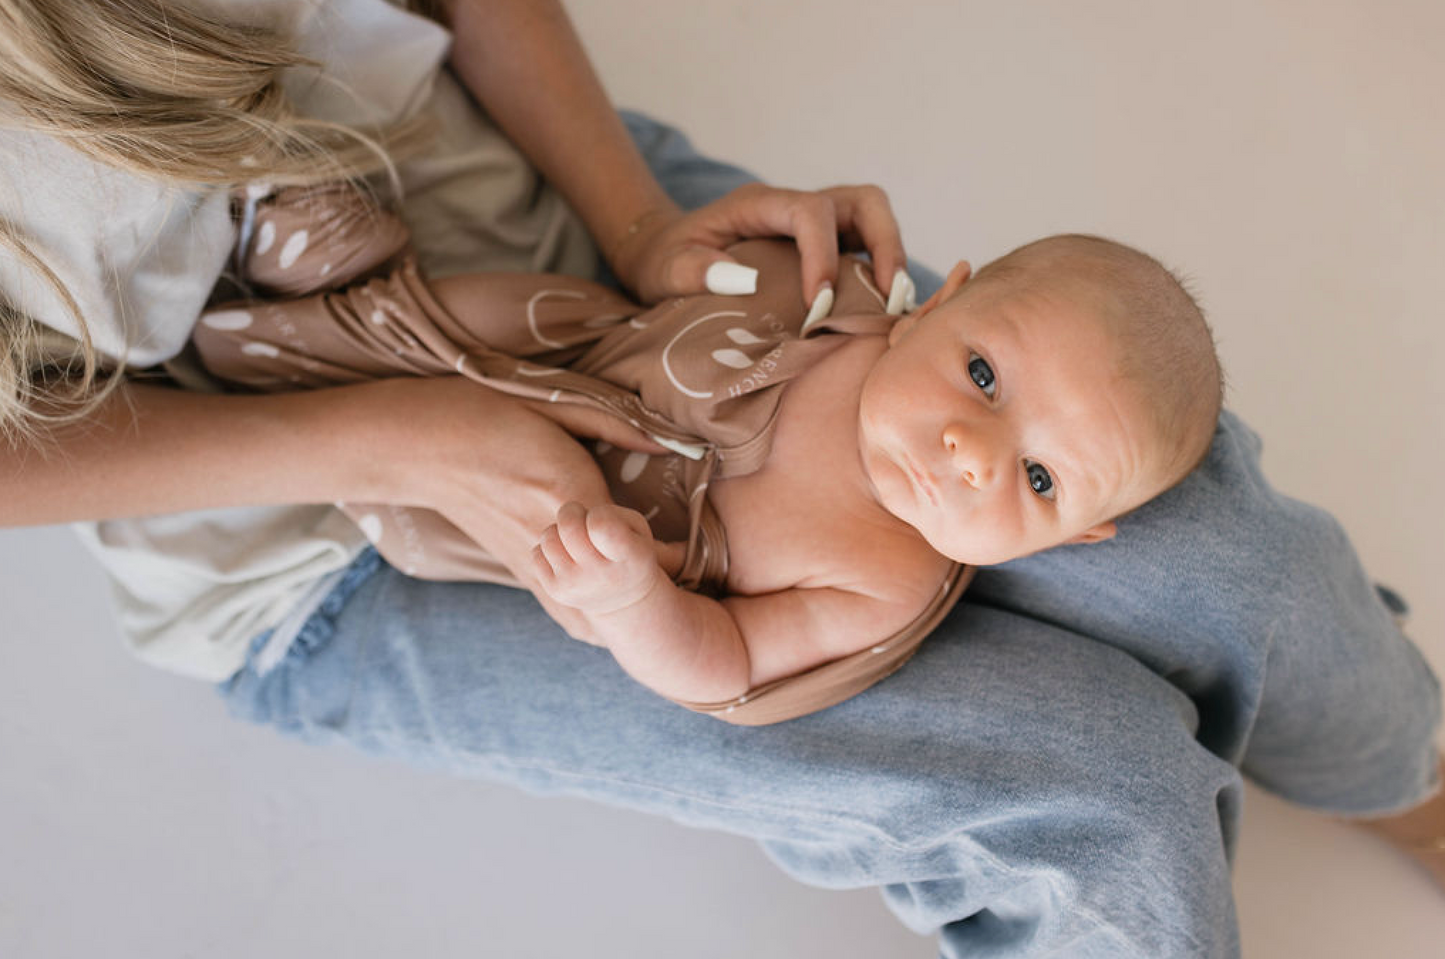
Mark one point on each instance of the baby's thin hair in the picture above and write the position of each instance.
(1167, 347)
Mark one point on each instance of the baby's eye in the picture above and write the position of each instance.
(981, 373)
(1039, 479)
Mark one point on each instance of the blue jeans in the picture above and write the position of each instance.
(1057, 772)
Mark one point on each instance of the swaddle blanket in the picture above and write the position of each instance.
(702, 374)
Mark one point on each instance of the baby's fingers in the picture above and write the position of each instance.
(574, 537)
(620, 535)
(550, 559)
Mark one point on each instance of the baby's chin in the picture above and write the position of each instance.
(969, 554)
(980, 554)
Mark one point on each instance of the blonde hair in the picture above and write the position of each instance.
(166, 92)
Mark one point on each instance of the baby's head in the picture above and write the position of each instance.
(1031, 405)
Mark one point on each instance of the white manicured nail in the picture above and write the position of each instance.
(822, 306)
(902, 294)
(731, 279)
(686, 449)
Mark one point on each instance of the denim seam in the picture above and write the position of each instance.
(320, 626)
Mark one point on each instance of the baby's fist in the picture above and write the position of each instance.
(598, 560)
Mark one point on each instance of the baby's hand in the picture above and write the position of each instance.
(598, 560)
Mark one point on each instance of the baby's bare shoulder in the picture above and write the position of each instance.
(844, 600)
(821, 537)
(902, 574)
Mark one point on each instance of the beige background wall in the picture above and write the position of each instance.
(1285, 155)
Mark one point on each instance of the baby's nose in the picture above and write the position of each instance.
(971, 455)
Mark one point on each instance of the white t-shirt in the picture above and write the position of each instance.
(141, 257)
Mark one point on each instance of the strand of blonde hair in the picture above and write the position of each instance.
(166, 92)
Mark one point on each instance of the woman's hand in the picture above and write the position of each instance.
(496, 467)
(667, 252)
(522, 60)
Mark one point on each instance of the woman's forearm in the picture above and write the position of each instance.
(151, 450)
(523, 61)
(494, 466)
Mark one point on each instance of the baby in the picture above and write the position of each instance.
(834, 482)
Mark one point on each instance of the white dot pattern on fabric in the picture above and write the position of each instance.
(294, 246)
(265, 237)
(742, 337)
(632, 467)
(737, 359)
(227, 319)
(260, 349)
(371, 527)
(378, 317)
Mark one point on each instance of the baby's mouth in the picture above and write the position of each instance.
(922, 480)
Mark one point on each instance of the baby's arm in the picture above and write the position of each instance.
(601, 562)
(685, 646)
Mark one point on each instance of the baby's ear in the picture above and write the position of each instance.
(957, 276)
(902, 325)
(1097, 534)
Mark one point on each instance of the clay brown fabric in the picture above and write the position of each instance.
(704, 374)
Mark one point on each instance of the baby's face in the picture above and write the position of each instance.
(996, 427)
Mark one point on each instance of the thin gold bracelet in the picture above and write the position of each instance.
(634, 228)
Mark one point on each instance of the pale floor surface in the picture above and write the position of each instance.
(1286, 156)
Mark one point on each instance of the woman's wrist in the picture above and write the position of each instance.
(614, 250)
(623, 253)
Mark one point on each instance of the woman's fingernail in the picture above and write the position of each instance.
(822, 306)
(731, 279)
(686, 449)
(902, 295)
